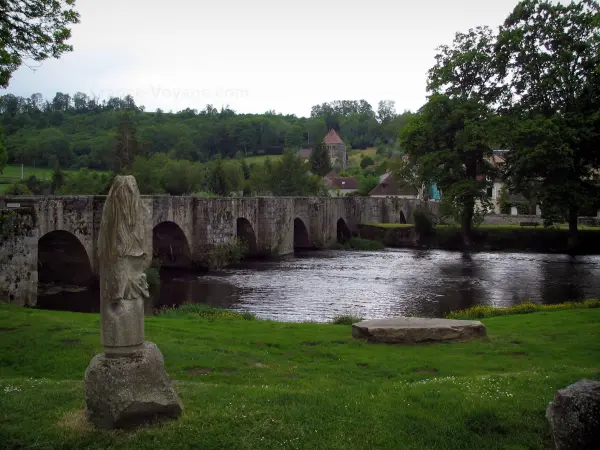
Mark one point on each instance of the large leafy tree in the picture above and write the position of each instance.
(449, 139)
(550, 55)
(33, 30)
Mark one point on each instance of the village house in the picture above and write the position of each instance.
(340, 186)
(336, 149)
(390, 187)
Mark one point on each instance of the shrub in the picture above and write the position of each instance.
(153, 274)
(346, 319)
(18, 189)
(366, 162)
(423, 223)
(227, 253)
(481, 312)
(203, 311)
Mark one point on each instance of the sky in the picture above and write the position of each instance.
(256, 55)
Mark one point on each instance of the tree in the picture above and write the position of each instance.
(366, 162)
(319, 160)
(217, 181)
(386, 111)
(550, 55)
(127, 145)
(58, 179)
(289, 177)
(33, 30)
(448, 139)
(3, 152)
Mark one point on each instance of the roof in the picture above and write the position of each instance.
(389, 186)
(332, 138)
(304, 153)
(342, 183)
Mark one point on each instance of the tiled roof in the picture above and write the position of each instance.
(333, 138)
(343, 183)
(389, 186)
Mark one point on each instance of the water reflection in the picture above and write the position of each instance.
(320, 285)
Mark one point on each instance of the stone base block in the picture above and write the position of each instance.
(412, 330)
(131, 390)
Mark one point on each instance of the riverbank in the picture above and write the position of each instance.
(485, 238)
(250, 384)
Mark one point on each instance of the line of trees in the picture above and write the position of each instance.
(78, 131)
(531, 86)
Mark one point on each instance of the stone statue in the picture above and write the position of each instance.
(123, 285)
(126, 385)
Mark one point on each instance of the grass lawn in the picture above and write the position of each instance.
(482, 227)
(261, 384)
(14, 171)
(261, 159)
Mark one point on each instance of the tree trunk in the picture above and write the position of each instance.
(466, 226)
(573, 233)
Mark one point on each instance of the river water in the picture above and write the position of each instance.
(317, 286)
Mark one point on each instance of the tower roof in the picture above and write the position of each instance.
(333, 138)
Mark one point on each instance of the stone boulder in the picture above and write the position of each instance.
(574, 416)
(126, 391)
(412, 330)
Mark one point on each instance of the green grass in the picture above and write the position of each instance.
(483, 227)
(390, 225)
(262, 159)
(254, 384)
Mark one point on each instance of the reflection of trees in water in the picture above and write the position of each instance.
(568, 279)
(207, 291)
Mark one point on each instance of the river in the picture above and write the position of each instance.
(317, 286)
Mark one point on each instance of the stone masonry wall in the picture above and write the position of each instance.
(204, 222)
(18, 274)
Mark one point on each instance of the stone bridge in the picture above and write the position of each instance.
(56, 238)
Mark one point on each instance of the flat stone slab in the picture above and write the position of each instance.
(412, 330)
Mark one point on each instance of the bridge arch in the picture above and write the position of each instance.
(63, 259)
(170, 245)
(301, 236)
(343, 231)
(245, 232)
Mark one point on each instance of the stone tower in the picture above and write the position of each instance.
(337, 150)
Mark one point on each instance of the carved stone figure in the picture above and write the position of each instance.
(127, 385)
(123, 285)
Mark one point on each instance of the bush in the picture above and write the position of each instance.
(481, 312)
(228, 253)
(357, 243)
(423, 223)
(346, 320)
(366, 162)
(153, 274)
(18, 189)
(203, 311)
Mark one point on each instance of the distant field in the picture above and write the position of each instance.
(14, 171)
(354, 156)
(261, 159)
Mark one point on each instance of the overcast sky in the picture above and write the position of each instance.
(257, 55)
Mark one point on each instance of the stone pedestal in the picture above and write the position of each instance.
(126, 391)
